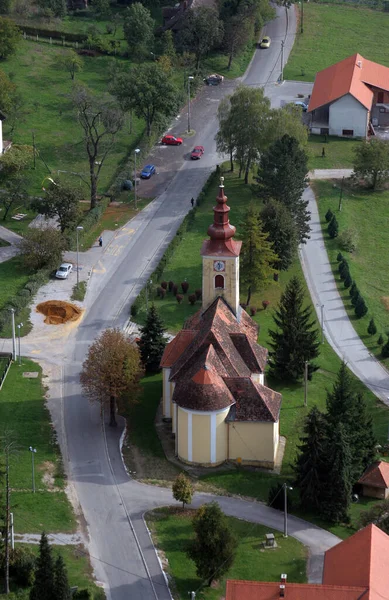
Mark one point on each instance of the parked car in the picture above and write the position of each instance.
(64, 271)
(197, 152)
(302, 105)
(170, 140)
(148, 171)
(265, 43)
(214, 79)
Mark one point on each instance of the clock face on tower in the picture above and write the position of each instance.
(219, 265)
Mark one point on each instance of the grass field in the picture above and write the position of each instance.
(24, 415)
(333, 32)
(365, 213)
(172, 530)
(339, 152)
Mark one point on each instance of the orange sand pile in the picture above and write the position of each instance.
(58, 312)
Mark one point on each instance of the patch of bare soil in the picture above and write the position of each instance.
(58, 312)
(148, 468)
(48, 469)
(385, 302)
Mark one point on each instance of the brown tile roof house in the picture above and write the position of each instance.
(375, 480)
(355, 569)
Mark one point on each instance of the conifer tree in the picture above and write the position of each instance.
(336, 492)
(360, 308)
(296, 338)
(372, 328)
(333, 228)
(362, 437)
(309, 467)
(385, 350)
(61, 583)
(279, 224)
(214, 548)
(257, 256)
(44, 584)
(153, 341)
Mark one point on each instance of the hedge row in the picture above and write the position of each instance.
(24, 296)
(92, 217)
(54, 33)
(185, 226)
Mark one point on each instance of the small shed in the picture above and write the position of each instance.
(375, 480)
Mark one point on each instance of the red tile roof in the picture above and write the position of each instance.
(353, 75)
(377, 475)
(361, 560)
(175, 348)
(258, 590)
(254, 402)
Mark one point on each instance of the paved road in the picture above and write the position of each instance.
(7, 252)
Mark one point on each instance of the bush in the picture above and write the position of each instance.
(353, 289)
(93, 216)
(159, 290)
(347, 281)
(199, 293)
(171, 285)
(347, 240)
(265, 304)
(184, 286)
(333, 228)
(175, 290)
(385, 350)
(192, 299)
(360, 308)
(329, 215)
(355, 298)
(253, 311)
(380, 340)
(162, 293)
(53, 33)
(343, 266)
(22, 566)
(372, 329)
(179, 298)
(164, 285)
(339, 257)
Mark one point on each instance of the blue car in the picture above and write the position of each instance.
(148, 171)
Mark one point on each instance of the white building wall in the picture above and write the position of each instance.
(348, 113)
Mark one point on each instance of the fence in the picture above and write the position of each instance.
(5, 362)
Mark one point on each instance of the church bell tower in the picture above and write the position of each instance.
(221, 257)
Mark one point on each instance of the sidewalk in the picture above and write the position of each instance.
(7, 252)
(330, 173)
(337, 326)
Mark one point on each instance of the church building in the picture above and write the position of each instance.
(213, 370)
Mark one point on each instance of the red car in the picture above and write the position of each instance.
(170, 140)
(197, 152)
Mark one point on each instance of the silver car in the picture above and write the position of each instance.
(64, 271)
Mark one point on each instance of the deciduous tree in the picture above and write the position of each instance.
(100, 121)
(371, 162)
(42, 247)
(282, 175)
(13, 194)
(10, 37)
(296, 338)
(147, 90)
(14, 161)
(238, 30)
(214, 548)
(378, 515)
(201, 32)
(138, 28)
(111, 371)
(44, 585)
(70, 61)
(61, 201)
(257, 256)
(182, 489)
(7, 92)
(152, 341)
(281, 227)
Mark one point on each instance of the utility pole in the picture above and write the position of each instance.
(302, 17)
(136, 151)
(147, 294)
(282, 60)
(341, 195)
(190, 78)
(306, 383)
(12, 531)
(79, 228)
(33, 452)
(286, 488)
(20, 325)
(13, 334)
(7, 521)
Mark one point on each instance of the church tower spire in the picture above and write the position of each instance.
(221, 256)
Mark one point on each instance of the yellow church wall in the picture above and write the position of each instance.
(221, 436)
(201, 438)
(253, 443)
(231, 281)
(182, 434)
(166, 395)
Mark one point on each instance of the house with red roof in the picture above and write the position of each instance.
(350, 98)
(213, 370)
(375, 480)
(355, 569)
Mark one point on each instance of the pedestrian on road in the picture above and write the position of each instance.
(192, 202)
(100, 241)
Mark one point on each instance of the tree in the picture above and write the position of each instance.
(138, 28)
(14, 161)
(287, 121)
(42, 248)
(152, 341)
(111, 371)
(225, 142)
(333, 228)
(61, 201)
(100, 121)
(70, 61)
(281, 227)
(201, 32)
(167, 44)
(102, 7)
(44, 587)
(336, 493)
(7, 92)
(378, 515)
(309, 467)
(147, 90)
(9, 37)
(371, 162)
(214, 548)
(385, 349)
(360, 308)
(182, 489)
(282, 175)
(238, 30)
(257, 256)
(296, 339)
(13, 194)
(61, 583)
(5, 6)
(57, 8)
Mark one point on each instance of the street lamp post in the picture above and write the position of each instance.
(286, 488)
(282, 61)
(13, 334)
(79, 228)
(190, 78)
(341, 194)
(136, 151)
(147, 294)
(33, 452)
(20, 356)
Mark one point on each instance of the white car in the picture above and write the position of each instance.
(64, 271)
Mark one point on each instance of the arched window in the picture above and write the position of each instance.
(219, 282)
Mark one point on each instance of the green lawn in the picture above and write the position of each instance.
(339, 152)
(366, 213)
(23, 411)
(171, 530)
(333, 32)
(13, 276)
